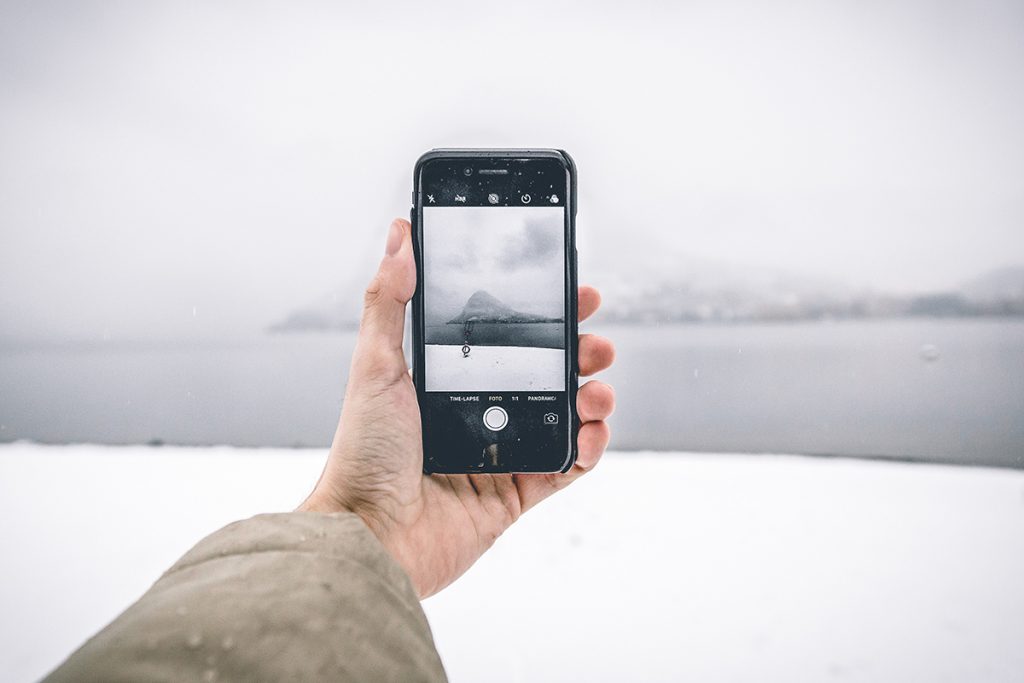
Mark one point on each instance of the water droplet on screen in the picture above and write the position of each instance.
(194, 640)
(929, 352)
(227, 643)
(210, 675)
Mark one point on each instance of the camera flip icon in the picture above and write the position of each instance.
(550, 418)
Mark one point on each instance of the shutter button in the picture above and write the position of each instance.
(495, 418)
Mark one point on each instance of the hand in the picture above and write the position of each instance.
(435, 526)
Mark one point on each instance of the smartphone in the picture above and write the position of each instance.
(494, 313)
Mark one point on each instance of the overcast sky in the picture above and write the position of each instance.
(184, 170)
(513, 253)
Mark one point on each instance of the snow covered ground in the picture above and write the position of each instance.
(494, 368)
(655, 567)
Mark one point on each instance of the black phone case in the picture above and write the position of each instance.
(572, 288)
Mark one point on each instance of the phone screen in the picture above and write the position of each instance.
(494, 307)
(495, 365)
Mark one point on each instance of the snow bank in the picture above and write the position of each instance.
(654, 567)
(494, 368)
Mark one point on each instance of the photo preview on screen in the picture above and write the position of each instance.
(494, 300)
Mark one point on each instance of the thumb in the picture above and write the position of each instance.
(383, 321)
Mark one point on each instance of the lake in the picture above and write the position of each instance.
(541, 335)
(938, 390)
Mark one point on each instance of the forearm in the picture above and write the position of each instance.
(300, 596)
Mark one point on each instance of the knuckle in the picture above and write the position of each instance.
(510, 504)
(582, 467)
(374, 292)
(380, 362)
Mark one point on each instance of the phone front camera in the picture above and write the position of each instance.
(467, 171)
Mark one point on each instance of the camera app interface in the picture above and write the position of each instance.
(494, 298)
(494, 315)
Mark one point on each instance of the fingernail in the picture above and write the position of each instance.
(394, 239)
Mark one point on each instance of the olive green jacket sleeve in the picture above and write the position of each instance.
(298, 597)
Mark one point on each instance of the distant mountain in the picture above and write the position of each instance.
(705, 293)
(311, 320)
(1002, 284)
(484, 307)
(996, 293)
(338, 310)
(672, 289)
(692, 290)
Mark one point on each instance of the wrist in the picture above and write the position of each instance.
(317, 502)
(322, 503)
